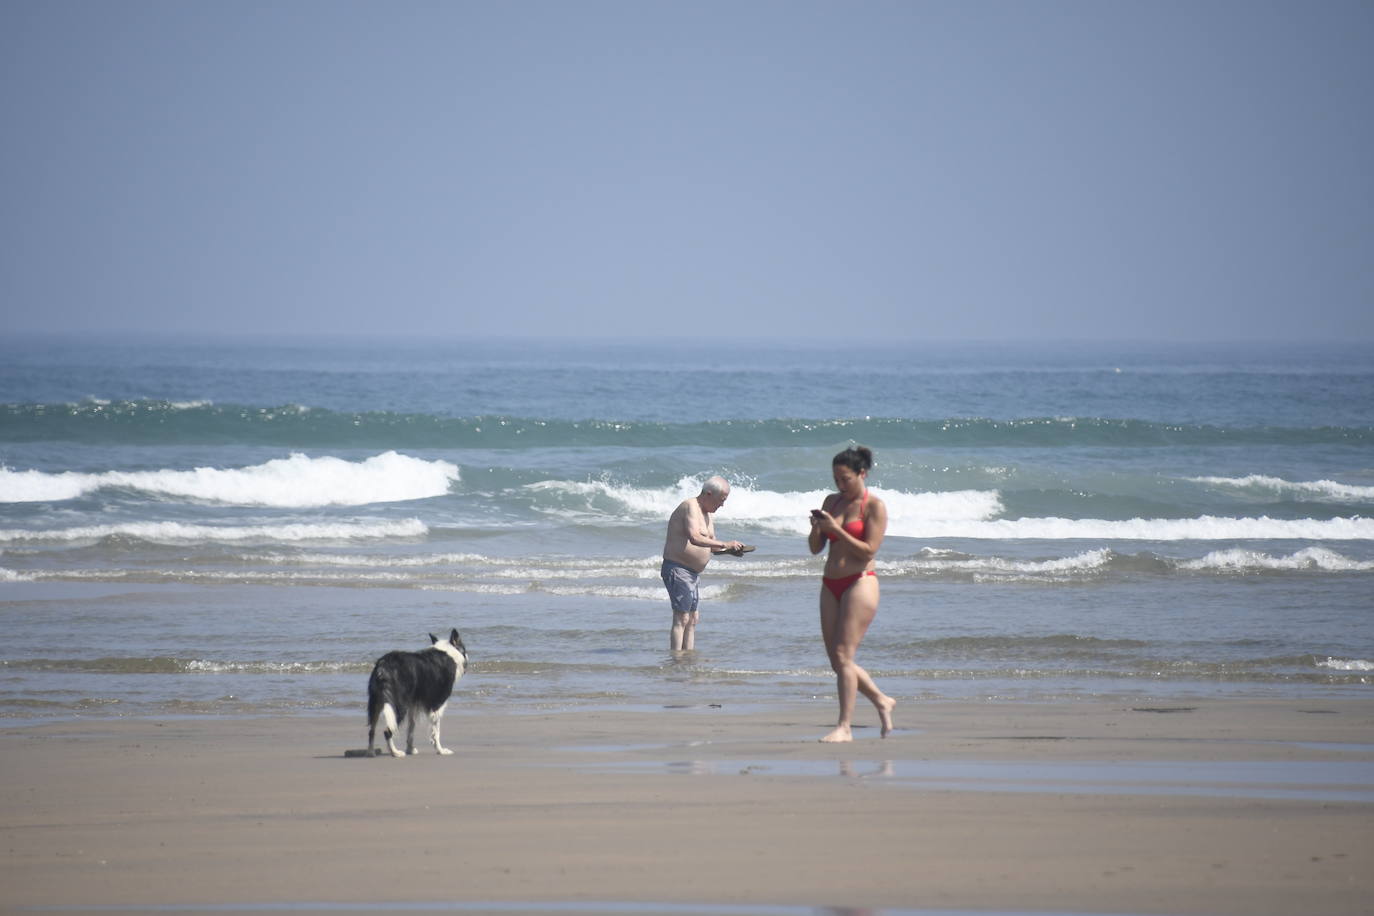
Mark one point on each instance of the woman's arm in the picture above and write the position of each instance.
(815, 540)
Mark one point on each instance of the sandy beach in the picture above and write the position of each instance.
(1219, 807)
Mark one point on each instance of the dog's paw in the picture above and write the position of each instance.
(399, 755)
(445, 751)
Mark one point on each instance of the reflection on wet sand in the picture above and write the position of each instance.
(1327, 781)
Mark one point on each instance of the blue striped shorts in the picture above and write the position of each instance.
(681, 582)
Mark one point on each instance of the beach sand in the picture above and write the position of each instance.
(1213, 806)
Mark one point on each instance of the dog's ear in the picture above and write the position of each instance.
(454, 638)
(433, 639)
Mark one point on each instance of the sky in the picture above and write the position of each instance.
(1168, 170)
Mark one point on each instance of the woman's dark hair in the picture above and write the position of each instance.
(857, 458)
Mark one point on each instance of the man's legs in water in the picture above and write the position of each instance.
(683, 636)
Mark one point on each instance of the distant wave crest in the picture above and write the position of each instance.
(1315, 490)
(294, 425)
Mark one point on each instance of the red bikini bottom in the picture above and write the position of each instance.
(841, 585)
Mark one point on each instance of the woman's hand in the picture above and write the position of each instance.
(822, 521)
(815, 541)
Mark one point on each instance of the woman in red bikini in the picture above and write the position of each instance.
(853, 523)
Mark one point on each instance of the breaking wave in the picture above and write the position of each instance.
(295, 482)
(1315, 490)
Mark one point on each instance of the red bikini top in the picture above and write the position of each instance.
(858, 526)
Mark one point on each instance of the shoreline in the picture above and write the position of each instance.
(1214, 807)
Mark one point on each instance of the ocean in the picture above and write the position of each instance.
(239, 528)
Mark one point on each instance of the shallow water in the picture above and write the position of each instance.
(1322, 781)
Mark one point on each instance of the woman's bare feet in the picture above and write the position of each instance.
(839, 735)
(885, 707)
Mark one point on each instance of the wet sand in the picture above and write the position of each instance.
(1213, 807)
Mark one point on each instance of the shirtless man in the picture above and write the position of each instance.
(688, 548)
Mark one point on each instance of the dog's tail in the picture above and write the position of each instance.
(381, 704)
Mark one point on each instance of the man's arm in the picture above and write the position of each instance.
(701, 532)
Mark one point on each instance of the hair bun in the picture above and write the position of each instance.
(857, 458)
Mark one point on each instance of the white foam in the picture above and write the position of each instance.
(1239, 560)
(256, 577)
(783, 512)
(951, 514)
(205, 666)
(180, 533)
(298, 481)
(935, 561)
(367, 560)
(539, 569)
(1347, 664)
(481, 588)
(1315, 490)
(636, 593)
(633, 502)
(1202, 528)
(36, 486)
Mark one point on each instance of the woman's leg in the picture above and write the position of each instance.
(844, 622)
(832, 633)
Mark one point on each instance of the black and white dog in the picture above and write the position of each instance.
(405, 684)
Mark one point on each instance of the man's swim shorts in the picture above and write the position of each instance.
(681, 582)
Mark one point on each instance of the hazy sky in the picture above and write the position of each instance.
(1162, 169)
